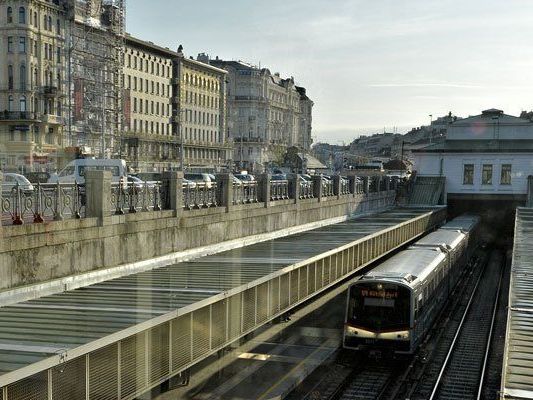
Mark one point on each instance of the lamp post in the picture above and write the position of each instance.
(430, 128)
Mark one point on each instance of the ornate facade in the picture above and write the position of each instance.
(32, 84)
(266, 115)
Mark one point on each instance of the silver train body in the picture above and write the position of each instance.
(393, 306)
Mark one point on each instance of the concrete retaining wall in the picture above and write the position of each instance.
(38, 253)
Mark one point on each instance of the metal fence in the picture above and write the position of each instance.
(133, 197)
(245, 193)
(327, 188)
(42, 202)
(279, 190)
(131, 365)
(306, 190)
(344, 186)
(201, 195)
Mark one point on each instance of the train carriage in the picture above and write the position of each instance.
(394, 305)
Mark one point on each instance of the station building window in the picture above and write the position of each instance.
(468, 174)
(486, 174)
(505, 177)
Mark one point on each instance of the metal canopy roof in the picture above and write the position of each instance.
(33, 331)
(517, 374)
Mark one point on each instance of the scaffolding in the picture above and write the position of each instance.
(96, 42)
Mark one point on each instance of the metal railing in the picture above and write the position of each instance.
(245, 193)
(306, 190)
(201, 195)
(327, 188)
(279, 190)
(17, 115)
(359, 187)
(344, 186)
(41, 202)
(133, 197)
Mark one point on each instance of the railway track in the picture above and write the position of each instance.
(451, 364)
(457, 366)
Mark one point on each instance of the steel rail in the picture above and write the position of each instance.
(489, 338)
(456, 336)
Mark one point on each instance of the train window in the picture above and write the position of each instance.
(383, 307)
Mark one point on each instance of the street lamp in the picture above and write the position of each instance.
(430, 128)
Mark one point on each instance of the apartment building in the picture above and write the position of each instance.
(200, 114)
(266, 115)
(148, 142)
(32, 88)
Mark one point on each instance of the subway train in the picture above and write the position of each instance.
(392, 307)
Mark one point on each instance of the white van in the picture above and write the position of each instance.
(75, 170)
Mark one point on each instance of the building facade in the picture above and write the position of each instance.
(199, 114)
(148, 142)
(32, 84)
(266, 115)
(487, 156)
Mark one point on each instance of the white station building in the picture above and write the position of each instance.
(486, 160)
(487, 156)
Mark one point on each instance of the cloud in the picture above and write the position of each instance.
(444, 85)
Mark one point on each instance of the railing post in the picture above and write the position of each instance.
(294, 187)
(366, 185)
(337, 186)
(225, 188)
(351, 185)
(317, 187)
(172, 182)
(264, 189)
(98, 193)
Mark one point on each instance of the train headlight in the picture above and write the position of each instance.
(350, 330)
(402, 335)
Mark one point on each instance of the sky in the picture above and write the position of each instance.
(368, 65)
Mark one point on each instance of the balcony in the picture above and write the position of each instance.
(52, 119)
(17, 116)
(50, 91)
(251, 98)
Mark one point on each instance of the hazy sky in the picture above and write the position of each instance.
(366, 64)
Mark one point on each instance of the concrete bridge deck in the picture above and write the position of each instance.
(119, 338)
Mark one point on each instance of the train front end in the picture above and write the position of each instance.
(378, 317)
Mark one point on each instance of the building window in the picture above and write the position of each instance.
(468, 174)
(486, 174)
(23, 103)
(10, 77)
(10, 103)
(22, 44)
(22, 77)
(58, 27)
(58, 55)
(9, 15)
(50, 23)
(10, 44)
(505, 178)
(22, 15)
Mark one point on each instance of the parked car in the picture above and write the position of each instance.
(278, 177)
(245, 177)
(37, 177)
(139, 183)
(200, 178)
(188, 184)
(11, 181)
(75, 170)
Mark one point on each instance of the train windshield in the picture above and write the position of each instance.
(379, 306)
